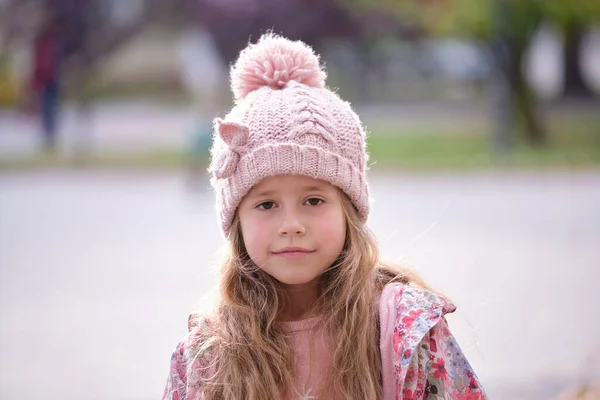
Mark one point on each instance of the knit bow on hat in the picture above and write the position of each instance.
(235, 137)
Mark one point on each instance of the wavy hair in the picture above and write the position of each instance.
(250, 357)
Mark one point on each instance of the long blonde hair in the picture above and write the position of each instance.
(251, 359)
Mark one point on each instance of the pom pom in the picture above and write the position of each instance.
(274, 61)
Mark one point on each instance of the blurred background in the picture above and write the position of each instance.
(484, 135)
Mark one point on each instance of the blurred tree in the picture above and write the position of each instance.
(507, 26)
(233, 22)
(523, 18)
(573, 18)
(574, 83)
(89, 31)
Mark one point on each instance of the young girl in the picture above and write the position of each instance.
(306, 309)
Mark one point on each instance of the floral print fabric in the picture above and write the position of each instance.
(186, 369)
(421, 359)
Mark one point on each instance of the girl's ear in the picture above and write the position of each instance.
(234, 134)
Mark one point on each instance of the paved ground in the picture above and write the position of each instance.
(98, 272)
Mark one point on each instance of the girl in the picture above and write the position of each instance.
(306, 309)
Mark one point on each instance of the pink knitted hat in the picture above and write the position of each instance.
(285, 122)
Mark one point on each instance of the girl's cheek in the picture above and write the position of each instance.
(256, 245)
(334, 223)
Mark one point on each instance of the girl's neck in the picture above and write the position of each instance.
(300, 301)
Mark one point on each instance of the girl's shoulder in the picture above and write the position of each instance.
(407, 314)
(419, 354)
(200, 330)
(399, 301)
(188, 362)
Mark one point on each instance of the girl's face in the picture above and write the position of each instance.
(293, 227)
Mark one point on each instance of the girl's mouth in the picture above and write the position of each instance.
(293, 252)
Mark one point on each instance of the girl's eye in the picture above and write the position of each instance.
(267, 205)
(314, 201)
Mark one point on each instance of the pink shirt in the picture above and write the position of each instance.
(312, 354)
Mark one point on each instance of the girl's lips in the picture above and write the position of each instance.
(293, 252)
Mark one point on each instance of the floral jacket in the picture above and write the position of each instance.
(420, 357)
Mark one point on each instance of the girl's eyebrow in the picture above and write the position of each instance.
(313, 189)
(264, 193)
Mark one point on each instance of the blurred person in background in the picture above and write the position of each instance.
(45, 77)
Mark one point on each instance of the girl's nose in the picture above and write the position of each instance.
(291, 225)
